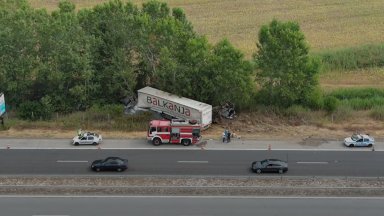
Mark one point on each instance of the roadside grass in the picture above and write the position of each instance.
(87, 120)
(327, 24)
(377, 113)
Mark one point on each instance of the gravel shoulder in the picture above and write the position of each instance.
(192, 186)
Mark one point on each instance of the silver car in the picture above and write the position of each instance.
(87, 138)
(359, 140)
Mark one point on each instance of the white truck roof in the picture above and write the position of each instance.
(176, 99)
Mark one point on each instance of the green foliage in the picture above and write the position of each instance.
(352, 58)
(70, 60)
(330, 103)
(314, 99)
(296, 111)
(66, 6)
(359, 98)
(361, 93)
(363, 104)
(285, 72)
(179, 14)
(13, 5)
(156, 9)
(34, 110)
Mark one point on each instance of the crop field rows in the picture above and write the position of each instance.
(327, 24)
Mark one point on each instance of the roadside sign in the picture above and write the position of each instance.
(2, 104)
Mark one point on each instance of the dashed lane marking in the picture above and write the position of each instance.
(71, 161)
(312, 162)
(192, 161)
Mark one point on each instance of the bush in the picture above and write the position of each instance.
(331, 103)
(296, 111)
(34, 110)
(315, 99)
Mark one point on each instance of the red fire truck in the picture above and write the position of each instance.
(175, 131)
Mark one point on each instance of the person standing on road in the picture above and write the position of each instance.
(229, 136)
(79, 132)
(225, 136)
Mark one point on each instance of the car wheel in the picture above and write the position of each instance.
(281, 171)
(94, 143)
(97, 169)
(370, 145)
(186, 142)
(156, 141)
(119, 169)
(258, 171)
(351, 145)
(76, 143)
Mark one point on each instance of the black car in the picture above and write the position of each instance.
(269, 165)
(110, 164)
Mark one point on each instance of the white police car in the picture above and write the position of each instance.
(359, 140)
(87, 138)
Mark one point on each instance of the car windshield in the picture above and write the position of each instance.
(355, 137)
(264, 163)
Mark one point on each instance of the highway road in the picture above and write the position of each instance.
(187, 162)
(188, 206)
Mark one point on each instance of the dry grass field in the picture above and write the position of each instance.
(327, 24)
(371, 77)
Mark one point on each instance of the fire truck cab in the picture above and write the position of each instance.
(175, 132)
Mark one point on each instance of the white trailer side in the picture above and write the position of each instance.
(173, 105)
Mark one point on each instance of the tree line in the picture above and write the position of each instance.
(69, 59)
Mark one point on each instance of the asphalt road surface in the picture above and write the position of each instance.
(186, 162)
(188, 206)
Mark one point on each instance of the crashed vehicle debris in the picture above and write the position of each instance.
(226, 110)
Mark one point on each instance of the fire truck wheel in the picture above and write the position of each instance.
(156, 142)
(186, 142)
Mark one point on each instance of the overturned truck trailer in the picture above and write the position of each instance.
(175, 106)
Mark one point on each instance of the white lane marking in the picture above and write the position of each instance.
(192, 161)
(311, 162)
(50, 215)
(190, 197)
(193, 149)
(71, 161)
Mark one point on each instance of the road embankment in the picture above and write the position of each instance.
(192, 186)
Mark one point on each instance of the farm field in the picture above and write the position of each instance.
(327, 24)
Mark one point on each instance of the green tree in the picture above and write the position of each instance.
(212, 74)
(285, 73)
(65, 71)
(115, 28)
(18, 56)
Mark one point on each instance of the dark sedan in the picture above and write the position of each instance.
(110, 164)
(269, 165)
